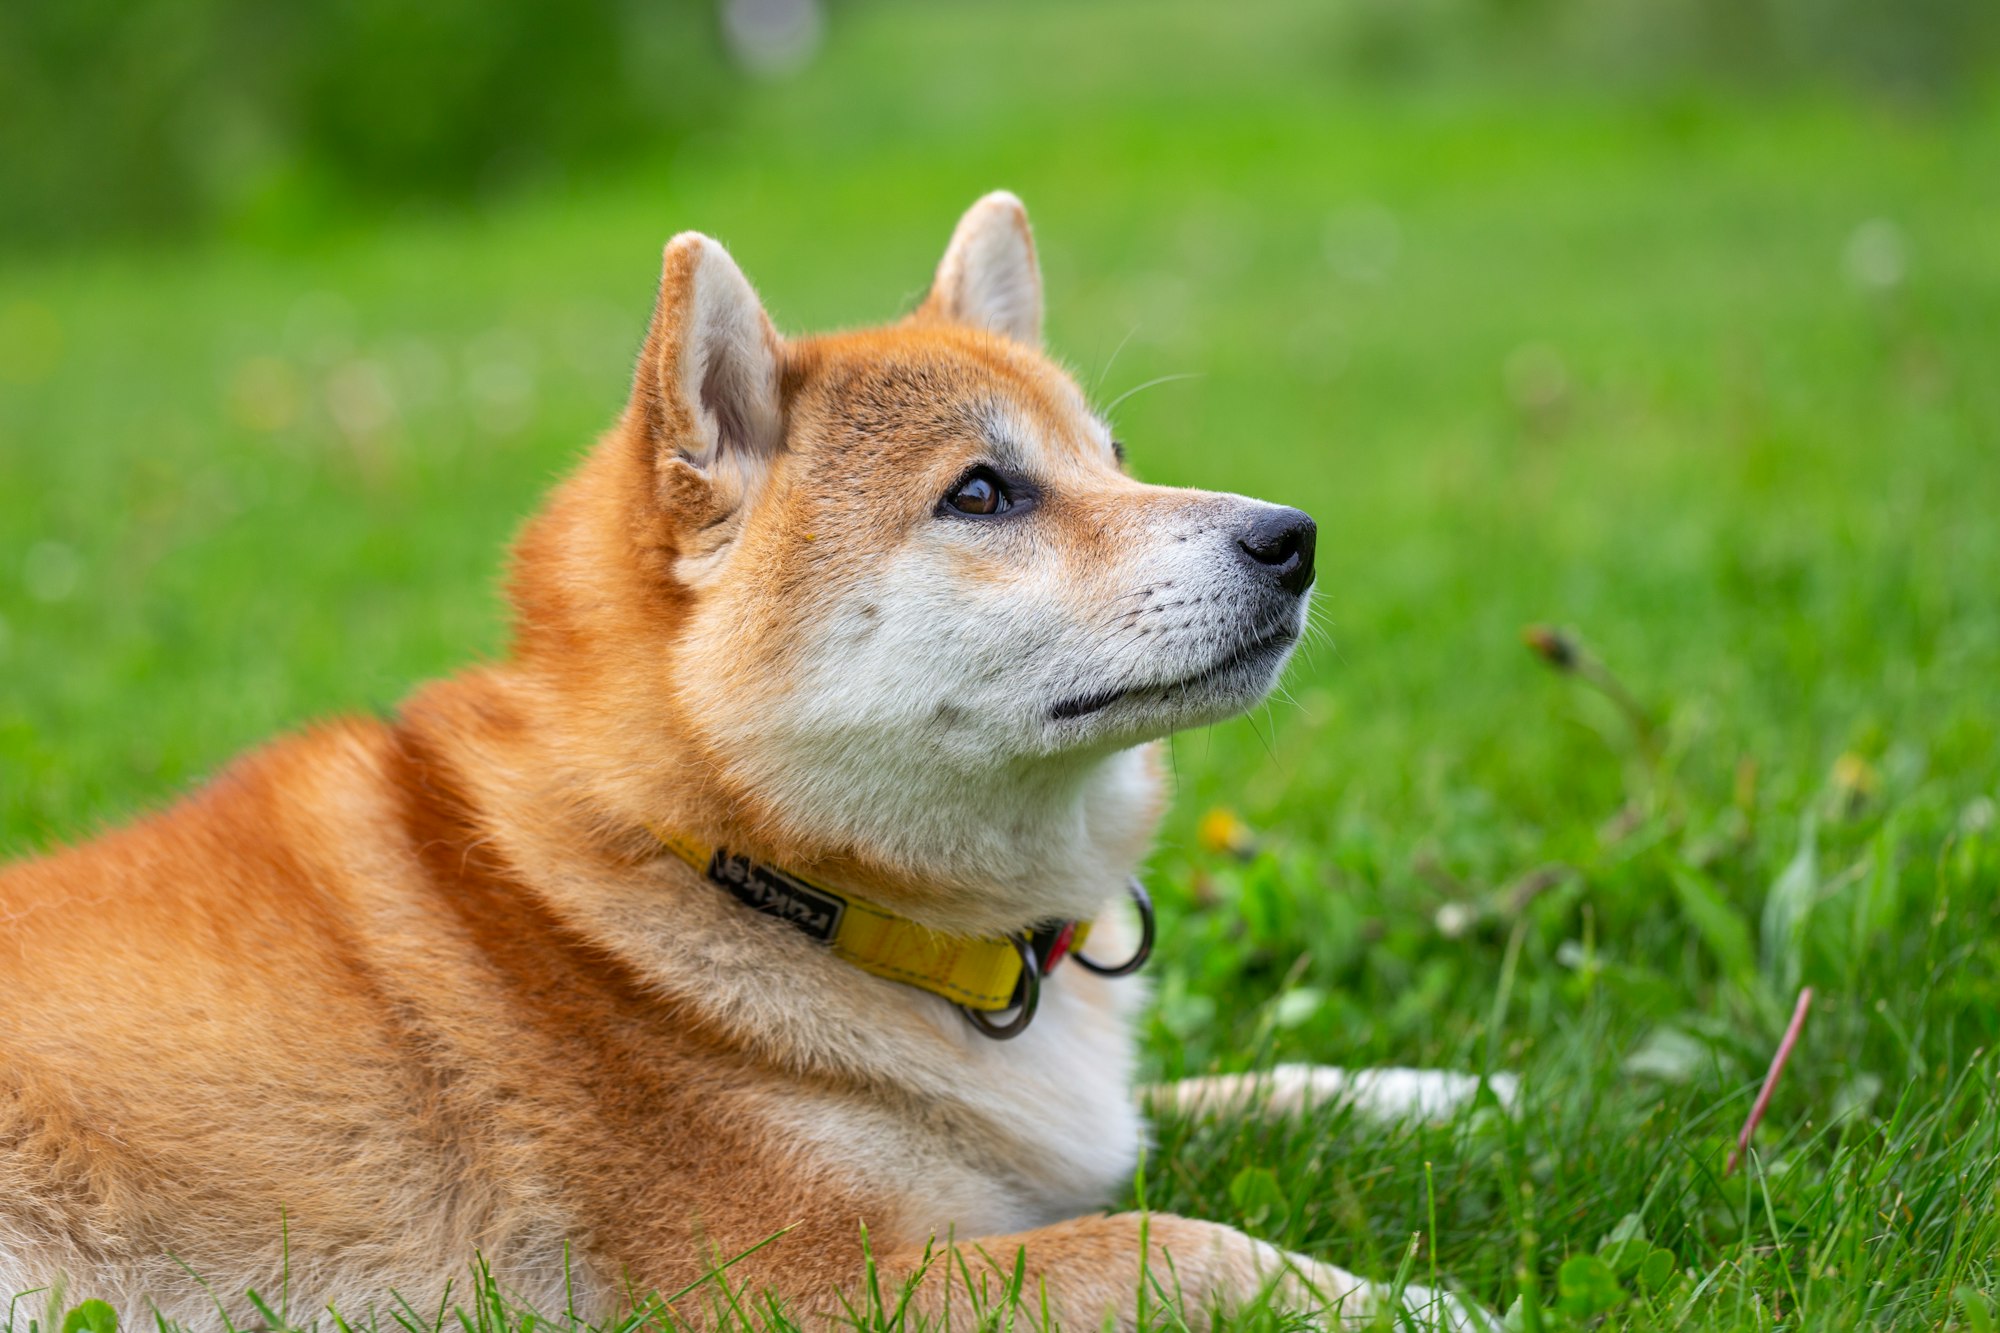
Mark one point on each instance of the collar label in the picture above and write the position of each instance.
(777, 894)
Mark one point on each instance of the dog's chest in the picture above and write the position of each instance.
(998, 1136)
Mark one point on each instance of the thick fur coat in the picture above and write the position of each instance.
(395, 993)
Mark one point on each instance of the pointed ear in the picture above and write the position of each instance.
(988, 278)
(707, 385)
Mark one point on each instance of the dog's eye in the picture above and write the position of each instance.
(980, 493)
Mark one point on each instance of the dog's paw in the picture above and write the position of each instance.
(1334, 1298)
(1396, 1094)
(1379, 1094)
(1428, 1309)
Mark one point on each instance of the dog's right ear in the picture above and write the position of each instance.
(707, 388)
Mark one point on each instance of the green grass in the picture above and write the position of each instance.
(1530, 353)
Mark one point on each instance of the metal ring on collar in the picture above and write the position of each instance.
(1145, 949)
(1031, 996)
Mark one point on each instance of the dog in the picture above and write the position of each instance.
(761, 910)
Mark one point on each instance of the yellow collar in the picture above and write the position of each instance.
(983, 975)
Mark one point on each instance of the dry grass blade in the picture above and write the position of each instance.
(1771, 1077)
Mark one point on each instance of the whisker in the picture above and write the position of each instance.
(1112, 360)
(1258, 732)
(1112, 406)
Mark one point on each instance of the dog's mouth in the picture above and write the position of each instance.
(1255, 654)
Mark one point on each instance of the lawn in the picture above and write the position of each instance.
(1705, 379)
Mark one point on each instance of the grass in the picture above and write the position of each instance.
(1707, 380)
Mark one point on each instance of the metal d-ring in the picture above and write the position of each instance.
(1030, 992)
(1145, 949)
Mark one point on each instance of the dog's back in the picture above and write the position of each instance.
(217, 1018)
(311, 999)
(189, 1020)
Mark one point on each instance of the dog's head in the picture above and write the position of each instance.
(922, 616)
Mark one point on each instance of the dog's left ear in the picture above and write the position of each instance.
(988, 278)
(707, 388)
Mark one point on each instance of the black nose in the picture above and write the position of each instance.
(1279, 543)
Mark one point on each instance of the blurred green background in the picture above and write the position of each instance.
(255, 121)
(1674, 324)
(1662, 319)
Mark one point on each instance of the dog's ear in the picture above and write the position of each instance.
(707, 388)
(988, 278)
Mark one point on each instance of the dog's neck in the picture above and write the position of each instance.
(564, 826)
(969, 853)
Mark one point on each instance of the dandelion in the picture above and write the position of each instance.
(1221, 831)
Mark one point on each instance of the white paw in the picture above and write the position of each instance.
(1339, 1299)
(1380, 1094)
(1427, 1308)
(1393, 1094)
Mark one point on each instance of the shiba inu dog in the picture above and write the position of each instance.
(823, 736)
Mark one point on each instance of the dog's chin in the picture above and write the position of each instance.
(1235, 683)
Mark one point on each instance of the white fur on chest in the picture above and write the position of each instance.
(995, 1137)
